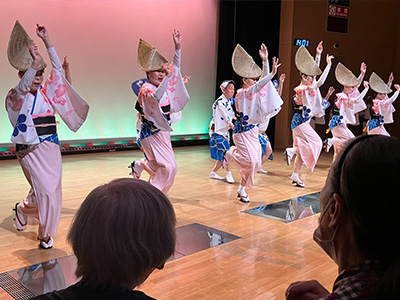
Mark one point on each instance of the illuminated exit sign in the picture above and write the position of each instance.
(338, 16)
(338, 11)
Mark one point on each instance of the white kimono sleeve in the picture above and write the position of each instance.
(176, 91)
(66, 101)
(317, 109)
(359, 104)
(387, 109)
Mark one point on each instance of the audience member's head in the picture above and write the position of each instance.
(360, 206)
(121, 233)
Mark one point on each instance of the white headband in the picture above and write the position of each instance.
(225, 83)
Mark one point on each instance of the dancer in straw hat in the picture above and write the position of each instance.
(347, 104)
(31, 109)
(222, 121)
(382, 108)
(308, 103)
(290, 153)
(254, 102)
(161, 101)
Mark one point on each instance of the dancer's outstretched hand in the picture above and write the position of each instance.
(177, 37)
(320, 48)
(263, 52)
(275, 65)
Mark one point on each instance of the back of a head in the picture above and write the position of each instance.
(122, 231)
(368, 178)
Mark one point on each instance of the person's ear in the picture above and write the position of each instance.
(336, 210)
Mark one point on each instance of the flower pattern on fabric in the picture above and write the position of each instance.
(227, 105)
(20, 125)
(60, 101)
(218, 145)
(148, 129)
(69, 114)
(171, 84)
(59, 93)
(375, 106)
(152, 104)
(373, 123)
(325, 104)
(61, 90)
(262, 92)
(243, 119)
(250, 96)
(264, 140)
(377, 103)
(17, 104)
(335, 121)
(342, 100)
(298, 119)
(54, 78)
(239, 127)
(52, 138)
(275, 84)
(306, 112)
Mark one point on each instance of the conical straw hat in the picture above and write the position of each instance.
(244, 65)
(345, 77)
(18, 49)
(149, 58)
(306, 63)
(378, 85)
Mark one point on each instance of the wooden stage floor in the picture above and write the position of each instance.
(267, 257)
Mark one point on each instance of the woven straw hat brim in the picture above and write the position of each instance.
(243, 64)
(345, 77)
(378, 85)
(149, 58)
(305, 63)
(18, 49)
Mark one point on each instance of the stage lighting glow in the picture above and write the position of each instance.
(103, 62)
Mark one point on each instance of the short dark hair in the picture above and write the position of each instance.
(122, 232)
(301, 75)
(22, 73)
(366, 174)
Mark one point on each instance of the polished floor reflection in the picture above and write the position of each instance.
(289, 210)
(195, 237)
(57, 274)
(41, 278)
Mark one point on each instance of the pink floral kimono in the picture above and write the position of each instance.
(253, 105)
(162, 106)
(38, 152)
